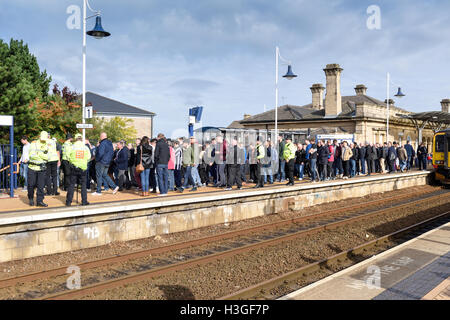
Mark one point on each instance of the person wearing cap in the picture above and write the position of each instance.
(260, 154)
(37, 167)
(65, 160)
(52, 167)
(289, 157)
(79, 157)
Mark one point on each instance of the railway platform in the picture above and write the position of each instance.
(29, 232)
(418, 269)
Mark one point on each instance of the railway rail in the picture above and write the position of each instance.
(248, 241)
(262, 290)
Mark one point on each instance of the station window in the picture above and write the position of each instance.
(439, 143)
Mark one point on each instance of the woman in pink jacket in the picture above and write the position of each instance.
(171, 167)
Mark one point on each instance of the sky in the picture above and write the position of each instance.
(169, 56)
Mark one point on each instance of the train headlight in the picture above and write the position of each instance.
(439, 162)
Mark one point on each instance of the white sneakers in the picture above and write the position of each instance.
(96, 194)
(115, 190)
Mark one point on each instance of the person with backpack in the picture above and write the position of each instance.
(103, 158)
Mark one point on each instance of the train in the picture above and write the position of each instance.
(441, 156)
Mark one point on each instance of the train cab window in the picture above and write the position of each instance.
(440, 143)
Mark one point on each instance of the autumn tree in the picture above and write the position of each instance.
(21, 81)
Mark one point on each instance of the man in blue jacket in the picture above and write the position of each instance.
(103, 157)
(410, 152)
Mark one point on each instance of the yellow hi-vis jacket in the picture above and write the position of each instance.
(260, 151)
(52, 152)
(66, 150)
(289, 151)
(38, 155)
(79, 155)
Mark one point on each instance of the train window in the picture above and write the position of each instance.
(439, 143)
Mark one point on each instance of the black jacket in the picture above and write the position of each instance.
(362, 153)
(162, 152)
(146, 151)
(322, 154)
(300, 156)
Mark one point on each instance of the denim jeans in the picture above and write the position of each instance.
(196, 176)
(163, 178)
(408, 163)
(25, 173)
(102, 177)
(299, 167)
(352, 168)
(313, 169)
(363, 166)
(281, 171)
(144, 180)
(403, 165)
(188, 177)
(171, 180)
(267, 172)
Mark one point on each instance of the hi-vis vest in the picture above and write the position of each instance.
(260, 151)
(52, 152)
(289, 151)
(79, 155)
(37, 155)
(66, 150)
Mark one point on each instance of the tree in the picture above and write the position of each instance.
(21, 81)
(59, 115)
(116, 128)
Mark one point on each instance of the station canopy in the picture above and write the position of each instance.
(437, 120)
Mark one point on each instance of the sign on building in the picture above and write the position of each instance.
(339, 137)
(88, 112)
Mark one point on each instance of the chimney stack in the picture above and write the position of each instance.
(246, 116)
(445, 105)
(333, 100)
(317, 96)
(360, 90)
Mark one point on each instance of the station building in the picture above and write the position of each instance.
(360, 115)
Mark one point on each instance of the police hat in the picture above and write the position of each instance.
(78, 136)
(44, 135)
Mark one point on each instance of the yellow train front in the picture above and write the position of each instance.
(441, 156)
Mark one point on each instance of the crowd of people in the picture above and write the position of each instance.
(160, 165)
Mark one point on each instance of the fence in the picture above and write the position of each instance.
(5, 169)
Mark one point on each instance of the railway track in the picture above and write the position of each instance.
(262, 290)
(248, 241)
(201, 241)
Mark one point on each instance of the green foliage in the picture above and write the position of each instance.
(116, 128)
(21, 81)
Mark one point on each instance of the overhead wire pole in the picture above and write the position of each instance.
(84, 70)
(387, 101)
(277, 53)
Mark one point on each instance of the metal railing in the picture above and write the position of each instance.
(5, 169)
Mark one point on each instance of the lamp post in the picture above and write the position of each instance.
(289, 75)
(97, 33)
(399, 95)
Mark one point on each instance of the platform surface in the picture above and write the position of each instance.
(17, 210)
(417, 269)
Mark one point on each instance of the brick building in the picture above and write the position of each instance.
(109, 108)
(358, 114)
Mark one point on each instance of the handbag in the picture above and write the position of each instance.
(140, 167)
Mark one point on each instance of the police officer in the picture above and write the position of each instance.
(65, 160)
(260, 154)
(289, 157)
(52, 168)
(79, 157)
(37, 169)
